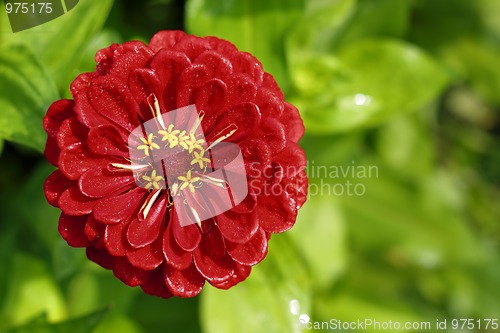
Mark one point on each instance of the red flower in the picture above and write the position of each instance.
(121, 207)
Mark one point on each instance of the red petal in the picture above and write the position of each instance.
(166, 39)
(70, 132)
(104, 59)
(240, 88)
(155, 284)
(269, 104)
(183, 283)
(211, 258)
(292, 159)
(105, 140)
(244, 117)
(100, 257)
(52, 151)
(168, 65)
(120, 208)
(142, 232)
(277, 213)
(57, 113)
(143, 83)
(73, 202)
(148, 258)
(241, 272)
(72, 229)
(218, 65)
(192, 46)
(81, 83)
(294, 126)
(74, 160)
(98, 183)
(174, 254)
(129, 56)
(129, 274)
(115, 239)
(86, 113)
(189, 80)
(247, 205)
(187, 237)
(251, 252)
(257, 155)
(297, 188)
(238, 228)
(54, 186)
(221, 46)
(93, 229)
(246, 63)
(273, 133)
(111, 98)
(211, 96)
(271, 84)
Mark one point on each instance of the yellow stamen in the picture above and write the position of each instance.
(187, 181)
(153, 181)
(200, 159)
(148, 144)
(171, 135)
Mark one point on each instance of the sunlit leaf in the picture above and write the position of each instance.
(32, 291)
(85, 324)
(274, 295)
(372, 81)
(58, 44)
(26, 91)
(319, 234)
(255, 26)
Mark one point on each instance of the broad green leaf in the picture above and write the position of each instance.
(26, 91)
(415, 137)
(478, 62)
(433, 235)
(85, 324)
(255, 26)
(381, 18)
(354, 308)
(319, 27)
(58, 44)
(374, 81)
(82, 294)
(117, 323)
(183, 314)
(272, 298)
(319, 235)
(41, 218)
(32, 290)
(8, 237)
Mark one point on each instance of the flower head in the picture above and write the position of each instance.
(125, 189)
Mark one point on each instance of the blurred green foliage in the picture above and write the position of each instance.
(410, 87)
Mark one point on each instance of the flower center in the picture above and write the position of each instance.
(169, 154)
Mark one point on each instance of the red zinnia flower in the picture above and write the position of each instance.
(111, 182)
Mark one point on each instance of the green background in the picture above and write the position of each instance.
(410, 87)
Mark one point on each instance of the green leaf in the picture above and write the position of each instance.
(32, 291)
(267, 299)
(117, 323)
(26, 91)
(84, 324)
(182, 314)
(319, 235)
(255, 26)
(58, 44)
(381, 18)
(372, 81)
(479, 63)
